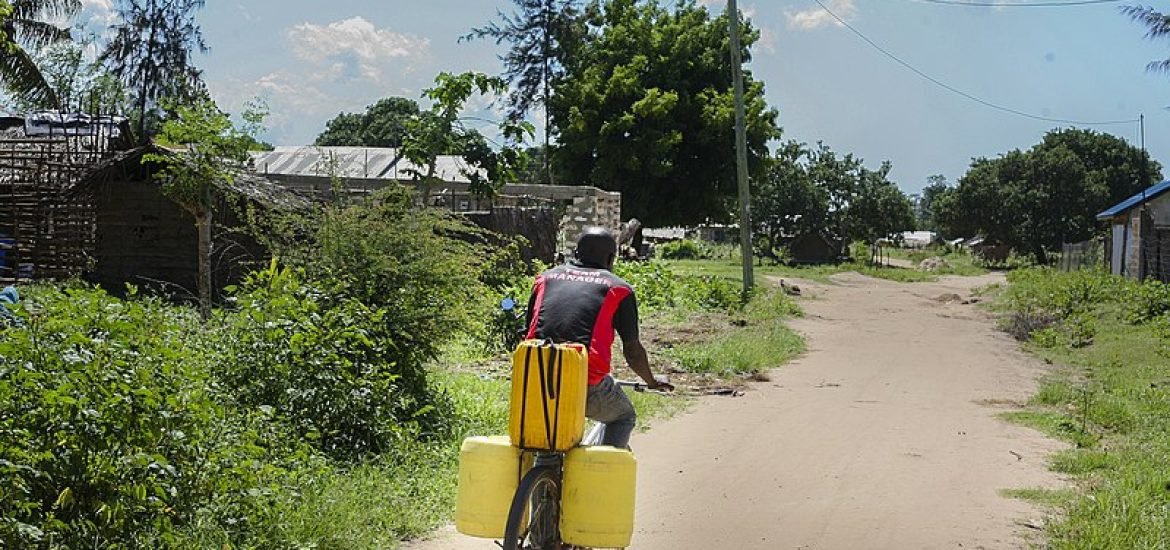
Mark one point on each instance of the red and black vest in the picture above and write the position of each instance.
(583, 305)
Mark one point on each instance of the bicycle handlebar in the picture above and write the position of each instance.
(638, 386)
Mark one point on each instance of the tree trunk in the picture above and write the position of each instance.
(203, 227)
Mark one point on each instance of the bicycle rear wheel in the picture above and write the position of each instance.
(539, 500)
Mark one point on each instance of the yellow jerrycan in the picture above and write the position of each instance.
(597, 498)
(490, 469)
(549, 386)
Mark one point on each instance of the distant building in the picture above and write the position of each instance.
(1139, 244)
(144, 238)
(814, 248)
(363, 170)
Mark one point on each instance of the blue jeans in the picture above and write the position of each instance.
(608, 404)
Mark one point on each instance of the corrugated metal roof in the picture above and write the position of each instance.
(351, 163)
(1135, 200)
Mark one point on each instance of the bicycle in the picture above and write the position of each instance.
(538, 497)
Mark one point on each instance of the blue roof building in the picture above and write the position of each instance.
(1140, 234)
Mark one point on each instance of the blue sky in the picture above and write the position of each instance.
(314, 59)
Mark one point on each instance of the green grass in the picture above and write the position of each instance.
(742, 352)
(1044, 497)
(732, 270)
(1112, 402)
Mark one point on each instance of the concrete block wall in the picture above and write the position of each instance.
(593, 207)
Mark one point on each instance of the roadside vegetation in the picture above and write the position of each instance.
(1108, 394)
(724, 261)
(322, 405)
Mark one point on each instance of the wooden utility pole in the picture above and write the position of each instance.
(741, 168)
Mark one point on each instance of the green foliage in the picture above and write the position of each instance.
(328, 368)
(412, 263)
(1147, 301)
(111, 430)
(809, 190)
(685, 249)
(23, 32)
(1035, 200)
(1111, 399)
(752, 350)
(646, 107)
(441, 131)
(382, 125)
(151, 51)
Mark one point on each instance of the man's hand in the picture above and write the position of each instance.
(658, 384)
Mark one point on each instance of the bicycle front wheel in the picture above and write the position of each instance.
(538, 499)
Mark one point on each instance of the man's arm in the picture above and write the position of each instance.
(640, 363)
(626, 323)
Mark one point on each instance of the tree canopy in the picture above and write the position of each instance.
(382, 125)
(1037, 199)
(151, 53)
(26, 27)
(542, 33)
(646, 107)
(814, 190)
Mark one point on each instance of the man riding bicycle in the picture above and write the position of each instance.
(583, 302)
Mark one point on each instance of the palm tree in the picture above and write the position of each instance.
(29, 27)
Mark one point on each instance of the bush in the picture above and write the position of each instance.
(654, 284)
(685, 249)
(111, 433)
(1147, 301)
(331, 368)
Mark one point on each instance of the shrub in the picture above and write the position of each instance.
(111, 433)
(685, 249)
(654, 284)
(712, 293)
(1147, 301)
(329, 367)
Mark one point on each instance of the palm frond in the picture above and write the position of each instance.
(44, 9)
(20, 75)
(35, 35)
(1157, 24)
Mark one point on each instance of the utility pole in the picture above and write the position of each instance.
(745, 196)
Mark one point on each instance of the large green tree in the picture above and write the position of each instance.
(646, 107)
(28, 27)
(936, 186)
(542, 34)
(786, 201)
(814, 189)
(151, 52)
(1037, 199)
(382, 125)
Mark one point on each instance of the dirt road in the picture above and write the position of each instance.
(882, 436)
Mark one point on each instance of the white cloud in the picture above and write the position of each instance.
(355, 36)
(767, 41)
(97, 12)
(815, 17)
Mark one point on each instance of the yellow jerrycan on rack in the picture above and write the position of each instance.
(597, 497)
(490, 469)
(549, 386)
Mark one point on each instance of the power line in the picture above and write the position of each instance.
(1019, 4)
(955, 90)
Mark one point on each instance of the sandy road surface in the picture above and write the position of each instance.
(882, 436)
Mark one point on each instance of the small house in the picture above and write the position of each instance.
(1139, 243)
(144, 238)
(814, 248)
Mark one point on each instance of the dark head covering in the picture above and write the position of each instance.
(596, 247)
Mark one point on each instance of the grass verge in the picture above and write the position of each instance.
(1110, 398)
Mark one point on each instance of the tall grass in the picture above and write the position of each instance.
(1110, 399)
